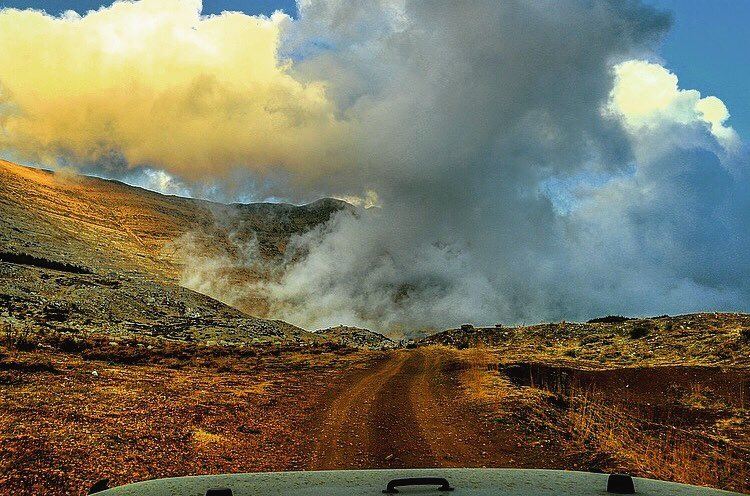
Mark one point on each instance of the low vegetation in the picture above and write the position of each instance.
(76, 409)
(609, 319)
(16, 337)
(655, 450)
(639, 331)
(688, 424)
(694, 339)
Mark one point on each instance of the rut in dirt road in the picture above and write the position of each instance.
(408, 412)
(363, 423)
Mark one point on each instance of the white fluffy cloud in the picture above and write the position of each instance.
(647, 96)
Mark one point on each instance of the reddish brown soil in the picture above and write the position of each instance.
(410, 412)
(689, 396)
(66, 420)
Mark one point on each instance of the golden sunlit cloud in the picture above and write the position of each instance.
(159, 84)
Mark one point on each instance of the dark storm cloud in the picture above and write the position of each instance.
(464, 110)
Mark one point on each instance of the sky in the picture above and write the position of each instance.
(511, 161)
(706, 46)
(56, 7)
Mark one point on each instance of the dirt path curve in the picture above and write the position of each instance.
(407, 412)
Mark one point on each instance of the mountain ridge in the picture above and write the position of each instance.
(41, 211)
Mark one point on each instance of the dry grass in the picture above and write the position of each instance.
(608, 437)
(16, 337)
(658, 451)
(204, 438)
(72, 413)
(693, 339)
(478, 385)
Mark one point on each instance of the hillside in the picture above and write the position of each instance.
(81, 254)
(356, 337)
(702, 338)
(107, 225)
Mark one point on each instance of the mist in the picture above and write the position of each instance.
(465, 117)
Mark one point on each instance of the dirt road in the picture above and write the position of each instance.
(68, 419)
(410, 411)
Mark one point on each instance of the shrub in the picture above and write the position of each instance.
(593, 338)
(455, 365)
(745, 334)
(639, 331)
(610, 319)
(68, 343)
(17, 337)
(7, 333)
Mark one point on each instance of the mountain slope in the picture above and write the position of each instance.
(108, 225)
(81, 254)
(355, 337)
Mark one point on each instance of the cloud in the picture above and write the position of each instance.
(458, 114)
(463, 116)
(646, 96)
(370, 199)
(159, 181)
(160, 85)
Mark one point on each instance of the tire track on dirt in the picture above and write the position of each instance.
(396, 430)
(344, 438)
(399, 414)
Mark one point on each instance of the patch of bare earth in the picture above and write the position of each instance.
(67, 421)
